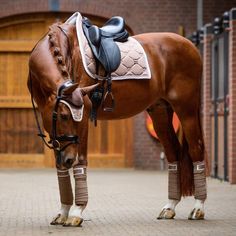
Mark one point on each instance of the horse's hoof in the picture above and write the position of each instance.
(196, 214)
(73, 221)
(59, 220)
(166, 213)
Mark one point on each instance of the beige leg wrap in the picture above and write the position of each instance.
(174, 181)
(200, 192)
(66, 194)
(81, 188)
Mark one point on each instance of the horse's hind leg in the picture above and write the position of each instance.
(161, 114)
(190, 120)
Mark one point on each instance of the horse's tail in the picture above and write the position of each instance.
(186, 170)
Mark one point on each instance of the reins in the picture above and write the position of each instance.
(41, 133)
(54, 142)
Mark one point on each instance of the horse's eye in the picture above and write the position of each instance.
(65, 117)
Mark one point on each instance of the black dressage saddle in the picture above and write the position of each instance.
(102, 41)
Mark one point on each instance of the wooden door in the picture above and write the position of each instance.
(110, 144)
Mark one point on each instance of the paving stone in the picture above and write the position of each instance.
(121, 202)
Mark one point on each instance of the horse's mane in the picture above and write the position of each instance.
(54, 34)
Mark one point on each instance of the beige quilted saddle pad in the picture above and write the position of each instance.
(134, 63)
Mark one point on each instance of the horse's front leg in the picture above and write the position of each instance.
(66, 197)
(81, 195)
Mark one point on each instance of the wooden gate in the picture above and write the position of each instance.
(110, 144)
(220, 104)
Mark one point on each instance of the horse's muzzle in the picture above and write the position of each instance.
(68, 163)
(65, 160)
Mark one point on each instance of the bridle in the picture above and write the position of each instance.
(55, 140)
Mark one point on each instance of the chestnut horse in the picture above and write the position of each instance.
(56, 74)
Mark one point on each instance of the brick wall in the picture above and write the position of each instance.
(232, 98)
(141, 16)
(214, 8)
(146, 148)
(207, 61)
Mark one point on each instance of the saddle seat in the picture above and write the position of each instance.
(102, 41)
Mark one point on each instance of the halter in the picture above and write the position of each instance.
(55, 140)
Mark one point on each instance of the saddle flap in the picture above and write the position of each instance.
(109, 55)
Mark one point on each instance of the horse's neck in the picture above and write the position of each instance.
(78, 72)
(41, 94)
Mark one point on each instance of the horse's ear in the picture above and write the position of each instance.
(71, 89)
(88, 89)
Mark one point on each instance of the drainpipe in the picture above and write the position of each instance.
(199, 14)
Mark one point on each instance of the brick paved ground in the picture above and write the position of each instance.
(122, 202)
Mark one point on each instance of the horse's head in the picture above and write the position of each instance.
(55, 84)
(69, 125)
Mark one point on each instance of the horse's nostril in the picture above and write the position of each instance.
(69, 161)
